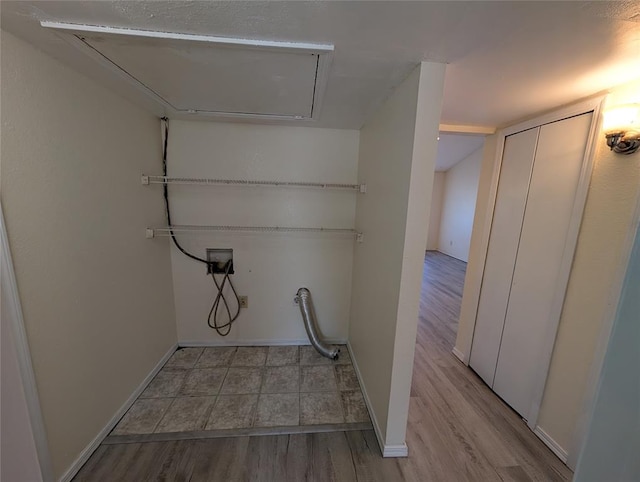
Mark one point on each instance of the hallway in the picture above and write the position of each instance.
(461, 428)
(458, 429)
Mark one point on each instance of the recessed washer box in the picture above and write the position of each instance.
(211, 76)
(217, 259)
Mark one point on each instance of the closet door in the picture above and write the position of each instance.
(528, 327)
(515, 173)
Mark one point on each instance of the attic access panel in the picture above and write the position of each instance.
(211, 76)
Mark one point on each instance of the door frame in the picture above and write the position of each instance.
(13, 309)
(590, 105)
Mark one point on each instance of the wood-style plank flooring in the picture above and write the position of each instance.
(458, 429)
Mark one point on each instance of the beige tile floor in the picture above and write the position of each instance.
(222, 388)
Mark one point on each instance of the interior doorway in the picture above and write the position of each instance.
(455, 187)
(452, 210)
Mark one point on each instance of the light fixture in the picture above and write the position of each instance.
(622, 128)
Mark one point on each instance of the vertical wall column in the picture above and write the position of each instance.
(397, 157)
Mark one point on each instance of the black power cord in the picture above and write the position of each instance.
(221, 329)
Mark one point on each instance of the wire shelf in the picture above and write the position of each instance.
(191, 229)
(146, 180)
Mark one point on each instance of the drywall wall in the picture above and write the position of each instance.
(96, 295)
(613, 441)
(459, 205)
(397, 159)
(19, 455)
(18, 451)
(269, 267)
(607, 219)
(435, 211)
(475, 264)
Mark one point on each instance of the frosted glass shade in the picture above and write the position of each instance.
(622, 118)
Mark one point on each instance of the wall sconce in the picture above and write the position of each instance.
(622, 128)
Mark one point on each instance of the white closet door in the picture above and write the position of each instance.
(554, 182)
(515, 173)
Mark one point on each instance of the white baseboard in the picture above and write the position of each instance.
(395, 451)
(459, 355)
(552, 444)
(198, 343)
(387, 450)
(95, 443)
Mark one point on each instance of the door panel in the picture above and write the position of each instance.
(554, 181)
(517, 163)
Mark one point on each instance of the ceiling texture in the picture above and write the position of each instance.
(506, 60)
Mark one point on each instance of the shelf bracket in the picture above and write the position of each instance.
(359, 237)
(363, 188)
(149, 234)
(145, 180)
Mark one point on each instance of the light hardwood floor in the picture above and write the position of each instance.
(458, 429)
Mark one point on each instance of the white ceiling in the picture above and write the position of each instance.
(507, 60)
(452, 148)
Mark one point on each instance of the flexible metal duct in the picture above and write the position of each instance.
(303, 299)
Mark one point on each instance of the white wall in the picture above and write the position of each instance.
(19, 459)
(269, 267)
(435, 208)
(613, 442)
(397, 160)
(18, 450)
(96, 295)
(459, 205)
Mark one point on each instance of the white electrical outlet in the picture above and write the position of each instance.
(244, 301)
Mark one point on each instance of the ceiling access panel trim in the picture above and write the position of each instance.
(72, 33)
(300, 47)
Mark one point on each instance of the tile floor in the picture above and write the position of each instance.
(222, 388)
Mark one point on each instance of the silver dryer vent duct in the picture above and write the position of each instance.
(303, 298)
